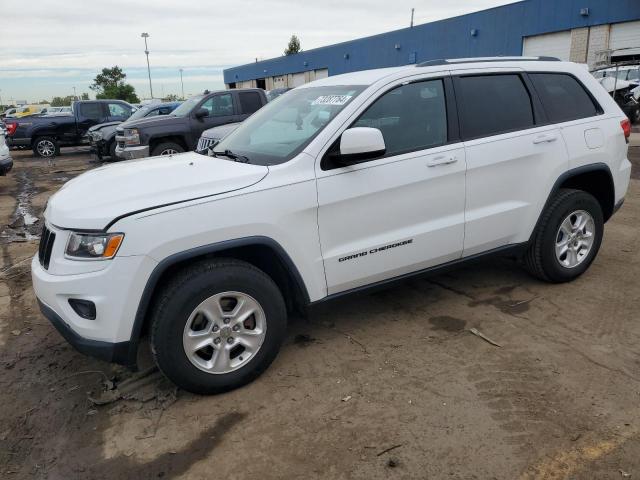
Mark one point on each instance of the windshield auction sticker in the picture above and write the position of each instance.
(332, 100)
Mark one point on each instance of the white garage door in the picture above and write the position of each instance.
(550, 45)
(322, 73)
(297, 79)
(625, 35)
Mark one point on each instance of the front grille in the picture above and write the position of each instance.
(205, 143)
(46, 246)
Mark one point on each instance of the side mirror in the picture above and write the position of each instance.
(201, 113)
(360, 143)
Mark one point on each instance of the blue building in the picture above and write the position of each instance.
(585, 31)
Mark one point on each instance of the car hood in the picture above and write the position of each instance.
(102, 125)
(152, 121)
(220, 131)
(96, 198)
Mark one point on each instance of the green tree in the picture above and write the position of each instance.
(172, 97)
(62, 101)
(84, 96)
(43, 102)
(110, 84)
(294, 46)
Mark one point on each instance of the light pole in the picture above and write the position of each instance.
(182, 84)
(146, 51)
(75, 97)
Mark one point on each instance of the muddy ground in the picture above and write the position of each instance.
(385, 385)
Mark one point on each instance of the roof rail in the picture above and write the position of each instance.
(457, 61)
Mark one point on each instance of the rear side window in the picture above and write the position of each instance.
(493, 104)
(249, 102)
(92, 111)
(563, 97)
(411, 117)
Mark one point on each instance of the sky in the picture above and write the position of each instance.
(47, 47)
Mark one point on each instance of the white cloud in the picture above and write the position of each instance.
(77, 35)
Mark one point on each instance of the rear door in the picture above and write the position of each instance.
(513, 157)
(404, 211)
(248, 103)
(221, 110)
(90, 114)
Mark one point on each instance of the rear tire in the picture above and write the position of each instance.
(198, 306)
(167, 148)
(567, 238)
(46, 147)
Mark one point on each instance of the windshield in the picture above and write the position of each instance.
(281, 129)
(184, 109)
(140, 113)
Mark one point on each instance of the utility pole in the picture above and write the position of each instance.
(145, 35)
(412, 10)
(75, 97)
(182, 84)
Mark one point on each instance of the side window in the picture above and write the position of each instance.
(118, 110)
(563, 97)
(493, 104)
(219, 105)
(249, 102)
(153, 113)
(91, 111)
(411, 117)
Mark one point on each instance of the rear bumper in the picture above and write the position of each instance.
(6, 164)
(18, 142)
(110, 352)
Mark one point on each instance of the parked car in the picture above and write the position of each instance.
(180, 131)
(46, 134)
(210, 138)
(9, 113)
(102, 137)
(626, 95)
(276, 92)
(27, 111)
(6, 163)
(346, 183)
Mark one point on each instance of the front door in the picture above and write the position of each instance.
(402, 212)
(220, 111)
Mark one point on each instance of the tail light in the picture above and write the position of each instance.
(12, 127)
(626, 128)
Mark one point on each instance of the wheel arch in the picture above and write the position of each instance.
(595, 179)
(179, 139)
(262, 252)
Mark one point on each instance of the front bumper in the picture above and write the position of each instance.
(119, 352)
(131, 153)
(115, 288)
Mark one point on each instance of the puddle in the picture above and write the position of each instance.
(24, 225)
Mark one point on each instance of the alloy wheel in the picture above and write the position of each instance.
(224, 332)
(46, 148)
(575, 238)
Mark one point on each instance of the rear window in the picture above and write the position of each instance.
(493, 104)
(563, 97)
(249, 102)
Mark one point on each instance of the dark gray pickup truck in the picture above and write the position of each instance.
(180, 130)
(46, 134)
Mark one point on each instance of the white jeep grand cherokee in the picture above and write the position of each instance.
(341, 184)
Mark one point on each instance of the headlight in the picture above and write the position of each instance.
(94, 246)
(97, 135)
(131, 136)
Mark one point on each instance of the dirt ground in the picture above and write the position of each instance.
(384, 385)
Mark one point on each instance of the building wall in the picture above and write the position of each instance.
(579, 45)
(498, 31)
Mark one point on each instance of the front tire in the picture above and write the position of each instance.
(46, 147)
(568, 237)
(217, 326)
(167, 148)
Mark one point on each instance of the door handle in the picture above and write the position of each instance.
(544, 139)
(441, 160)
